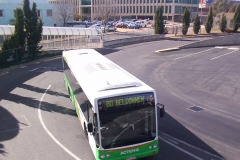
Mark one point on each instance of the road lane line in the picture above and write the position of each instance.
(4, 73)
(223, 55)
(27, 120)
(48, 132)
(194, 53)
(194, 147)
(34, 69)
(184, 151)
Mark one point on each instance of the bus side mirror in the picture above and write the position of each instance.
(161, 109)
(90, 127)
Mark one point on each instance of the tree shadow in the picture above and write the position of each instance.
(31, 102)
(16, 77)
(41, 90)
(177, 142)
(9, 127)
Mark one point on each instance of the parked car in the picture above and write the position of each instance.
(121, 25)
(98, 26)
(133, 26)
(142, 23)
(110, 28)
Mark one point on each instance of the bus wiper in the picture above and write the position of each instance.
(131, 125)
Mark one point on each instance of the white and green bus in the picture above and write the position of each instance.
(118, 112)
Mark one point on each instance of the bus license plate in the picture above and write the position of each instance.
(131, 158)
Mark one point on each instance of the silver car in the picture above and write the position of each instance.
(108, 28)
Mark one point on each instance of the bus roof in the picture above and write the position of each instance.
(100, 77)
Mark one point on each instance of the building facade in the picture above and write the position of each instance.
(134, 9)
(45, 11)
(81, 7)
(97, 9)
(172, 9)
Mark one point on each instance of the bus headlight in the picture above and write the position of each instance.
(150, 147)
(155, 146)
(103, 156)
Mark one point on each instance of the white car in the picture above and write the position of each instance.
(142, 23)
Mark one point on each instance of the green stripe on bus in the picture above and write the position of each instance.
(71, 94)
(141, 151)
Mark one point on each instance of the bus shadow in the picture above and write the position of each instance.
(9, 128)
(177, 142)
(105, 51)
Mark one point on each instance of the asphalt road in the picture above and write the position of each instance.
(199, 87)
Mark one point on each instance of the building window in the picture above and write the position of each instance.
(1, 13)
(166, 9)
(49, 13)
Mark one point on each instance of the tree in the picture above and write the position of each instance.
(35, 33)
(7, 50)
(159, 21)
(19, 34)
(233, 8)
(220, 6)
(14, 46)
(196, 24)
(209, 21)
(77, 17)
(33, 28)
(26, 36)
(186, 21)
(236, 19)
(105, 10)
(223, 23)
(63, 11)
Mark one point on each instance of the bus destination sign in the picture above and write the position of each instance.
(124, 101)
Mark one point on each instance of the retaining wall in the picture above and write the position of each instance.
(233, 39)
(133, 40)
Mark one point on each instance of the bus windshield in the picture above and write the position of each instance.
(127, 120)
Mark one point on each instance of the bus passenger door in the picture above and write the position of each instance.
(92, 120)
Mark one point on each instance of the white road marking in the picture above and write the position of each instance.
(34, 69)
(48, 132)
(220, 47)
(4, 73)
(189, 145)
(233, 48)
(223, 55)
(23, 66)
(184, 151)
(27, 120)
(189, 55)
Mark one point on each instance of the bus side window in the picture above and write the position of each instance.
(84, 108)
(90, 112)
